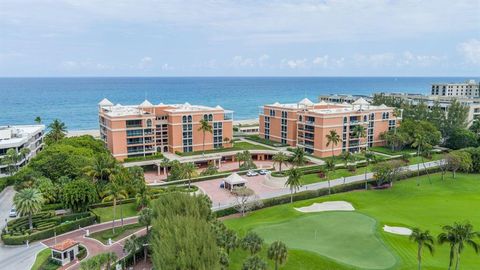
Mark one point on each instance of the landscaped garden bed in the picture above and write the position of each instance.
(237, 146)
(45, 224)
(120, 233)
(258, 139)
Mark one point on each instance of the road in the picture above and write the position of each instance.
(14, 257)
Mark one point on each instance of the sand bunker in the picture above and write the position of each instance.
(397, 230)
(327, 206)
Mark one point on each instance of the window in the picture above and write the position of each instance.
(345, 120)
(300, 118)
(149, 123)
(205, 117)
(272, 112)
(184, 119)
(189, 118)
(135, 132)
(210, 117)
(133, 123)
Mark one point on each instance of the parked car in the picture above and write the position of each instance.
(252, 173)
(13, 212)
(263, 172)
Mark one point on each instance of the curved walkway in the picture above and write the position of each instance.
(92, 245)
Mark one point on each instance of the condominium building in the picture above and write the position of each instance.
(306, 124)
(467, 89)
(473, 104)
(336, 98)
(146, 129)
(17, 138)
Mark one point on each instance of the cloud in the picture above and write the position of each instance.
(87, 65)
(145, 62)
(470, 51)
(295, 63)
(390, 59)
(375, 60)
(240, 61)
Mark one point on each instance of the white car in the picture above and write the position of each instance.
(264, 172)
(251, 173)
(13, 212)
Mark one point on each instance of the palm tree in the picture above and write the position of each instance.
(475, 127)
(101, 168)
(252, 242)
(254, 263)
(131, 246)
(28, 201)
(360, 132)
(58, 129)
(145, 217)
(11, 159)
(278, 253)
(143, 196)
(294, 181)
(189, 170)
(165, 163)
(333, 139)
(420, 141)
(114, 192)
(280, 158)
(99, 261)
(38, 120)
(205, 127)
(458, 236)
(298, 157)
(239, 156)
(423, 239)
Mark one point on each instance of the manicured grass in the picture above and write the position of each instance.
(41, 259)
(259, 139)
(339, 173)
(388, 150)
(120, 233)
(332, 235)
(237, 146)
(428, 206)
(106, 213)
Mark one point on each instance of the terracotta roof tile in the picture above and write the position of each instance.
(64, 245)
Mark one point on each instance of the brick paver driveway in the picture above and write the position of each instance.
(220, 196)
(93, 246)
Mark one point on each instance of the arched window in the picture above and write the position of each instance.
(300, 118)
(189, 118)
(344, 120)
(149, 122)
(364, 118)
(210, 117)
(205, 117)
(184, 119)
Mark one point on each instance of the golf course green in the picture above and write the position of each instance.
(356, 240)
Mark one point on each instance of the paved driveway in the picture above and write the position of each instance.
(14, 257)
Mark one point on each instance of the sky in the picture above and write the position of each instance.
(239, 38)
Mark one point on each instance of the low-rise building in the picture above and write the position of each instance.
(17, 138)
(473, 104)
(306, 124)
(65, 252)
(146, 129)
(466, 89)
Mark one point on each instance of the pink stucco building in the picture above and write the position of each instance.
(145, 129)
(306, 124)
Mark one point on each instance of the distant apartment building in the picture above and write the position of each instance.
(336, 98)
(467, 89)
(473, 104)
(306, 124)
(17, 138)
(146, 129)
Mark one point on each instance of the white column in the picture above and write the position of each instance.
(158, 170)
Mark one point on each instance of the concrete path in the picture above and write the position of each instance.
(92, 245)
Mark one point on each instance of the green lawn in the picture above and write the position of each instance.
(428, 206)
(388, 150)
(106, 213)
(120, 233)
(41, 259)
(237, 146)
(339, 173)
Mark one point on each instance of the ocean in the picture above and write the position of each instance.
(74, 100)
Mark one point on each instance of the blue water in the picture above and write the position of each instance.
(74, 100)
